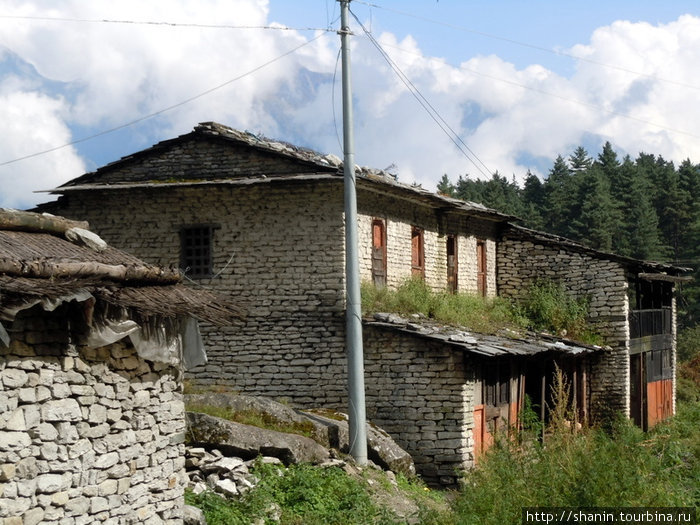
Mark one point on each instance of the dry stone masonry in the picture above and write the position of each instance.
(603, 281)
(86, 435)
(422, 394)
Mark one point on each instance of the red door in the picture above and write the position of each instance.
(452, 264)
(481, 268)
(378, 253)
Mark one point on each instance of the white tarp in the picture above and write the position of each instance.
(165, 342)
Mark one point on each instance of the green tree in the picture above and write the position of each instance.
(533, 196)
(579, 160)
(594, 225)
(641, 224)
(446, 187)
(560, 199)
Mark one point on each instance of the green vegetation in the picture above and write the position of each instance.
(546, 308)
(415, 297)
(298, 495)
(254, 418)
(550, 309)
(646, 208)
(659, 468)
(625, 467)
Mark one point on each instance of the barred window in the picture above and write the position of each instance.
(196, 250)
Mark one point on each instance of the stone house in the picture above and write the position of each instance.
(92, 418)
(263, 221)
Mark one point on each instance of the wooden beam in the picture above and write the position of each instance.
(70, 269)
(37, 222)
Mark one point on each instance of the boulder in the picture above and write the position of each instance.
(241, 403)
(193, 516)
(274, 410)
(381, 448)
(248, 442)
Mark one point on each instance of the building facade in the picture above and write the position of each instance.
(263, 221)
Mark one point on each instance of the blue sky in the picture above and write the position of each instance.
(502, 75)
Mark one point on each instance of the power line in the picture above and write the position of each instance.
(429, 108)
(157, 23)
(164, 110)
(531, 46)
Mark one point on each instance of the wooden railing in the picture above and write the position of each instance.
(655, 321)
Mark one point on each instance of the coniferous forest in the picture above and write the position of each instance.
(645, 208)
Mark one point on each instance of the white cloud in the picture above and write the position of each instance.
(33, 122)
(97, 75)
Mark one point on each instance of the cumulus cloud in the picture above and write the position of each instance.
(32, 122)
(68, 76)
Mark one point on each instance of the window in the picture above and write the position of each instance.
(452, 263)
(481, 267)
(496, 385)
(417, 253)
(196, 250)
(379, 253)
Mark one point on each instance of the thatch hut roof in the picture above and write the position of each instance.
(48, 258)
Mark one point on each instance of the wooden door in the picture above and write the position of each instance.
(659, 401)
(452, 264)
(637, 390)
(417, 253)
(481, 268)
(379, 253)
(483, 439)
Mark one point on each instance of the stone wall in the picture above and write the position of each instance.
(421, 392)
(86, 435)
(399, 217)
(278, 251)
(604, 282)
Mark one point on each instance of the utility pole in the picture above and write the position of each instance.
(353, 309)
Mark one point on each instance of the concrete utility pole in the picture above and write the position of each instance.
(353, 312)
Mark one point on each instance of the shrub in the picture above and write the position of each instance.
(413, 296)
(549, 308)
(298, 495)
(688, 343)
(659, 468)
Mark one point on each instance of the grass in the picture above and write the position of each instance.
(254, 418)
(415, 297)
(545, 308)
(622, 468)
(659, 468)
(297, 495)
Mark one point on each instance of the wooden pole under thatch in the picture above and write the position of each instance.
(47, 269)
(37, 222)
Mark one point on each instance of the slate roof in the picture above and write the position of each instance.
(317, 166)
(488, 345)
(522, 233)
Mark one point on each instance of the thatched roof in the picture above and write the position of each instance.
(38, 262)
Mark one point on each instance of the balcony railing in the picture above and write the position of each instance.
(649, 322)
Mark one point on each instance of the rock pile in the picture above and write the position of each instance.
(211, 470)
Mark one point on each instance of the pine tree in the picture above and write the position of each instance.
(579, 160)
(639, 238)
(468, 190)
(594, 225)
(533, 196)
(445, 186)
(560, 199)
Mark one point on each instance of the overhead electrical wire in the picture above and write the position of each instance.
(531, 46)
(427, 106)
(548, 93)
(169, 24)
(164, 110)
